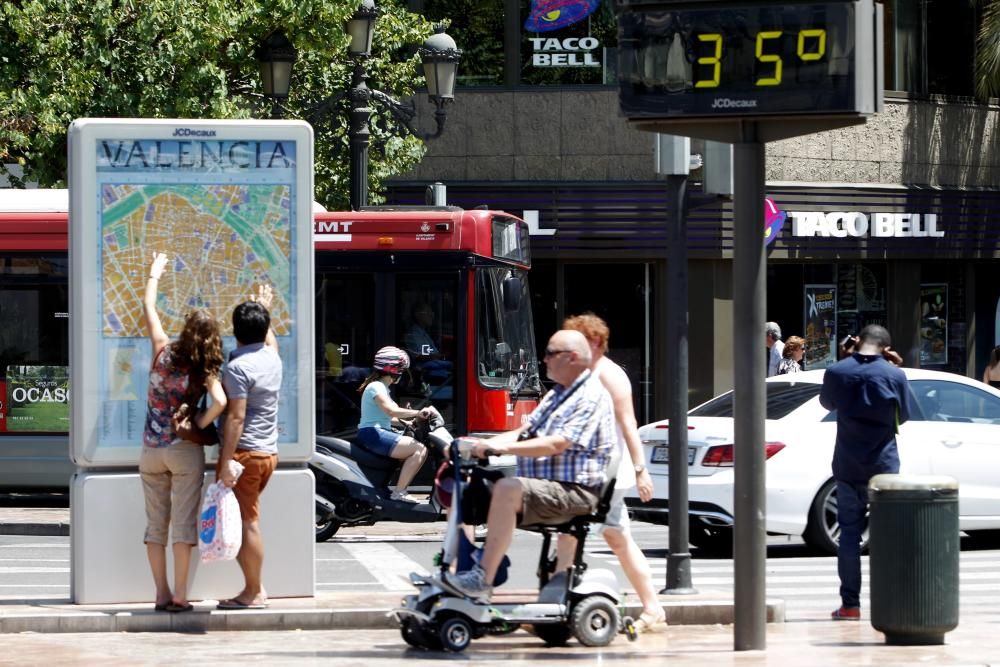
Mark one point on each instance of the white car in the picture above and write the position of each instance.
(954, 429)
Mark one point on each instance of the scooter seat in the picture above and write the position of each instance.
(359, 454)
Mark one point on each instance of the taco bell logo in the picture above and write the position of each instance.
(774, 220)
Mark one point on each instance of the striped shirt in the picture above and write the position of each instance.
(586, 418)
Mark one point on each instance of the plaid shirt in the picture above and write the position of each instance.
(586, 418)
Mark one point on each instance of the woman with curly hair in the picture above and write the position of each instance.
(172, 469)
(791, 356)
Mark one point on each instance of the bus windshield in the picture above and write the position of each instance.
(505, 332)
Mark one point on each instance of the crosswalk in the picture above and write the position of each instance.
(810, 587)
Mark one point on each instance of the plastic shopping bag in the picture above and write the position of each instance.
(220, 527)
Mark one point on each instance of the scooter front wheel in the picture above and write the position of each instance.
(455, 634)
(325, 528)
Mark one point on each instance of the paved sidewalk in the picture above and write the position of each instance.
(326, 611)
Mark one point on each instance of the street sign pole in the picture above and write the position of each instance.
(747, 72)
(679, 556)
(749, 290)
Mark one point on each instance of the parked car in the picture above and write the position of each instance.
(954, 429)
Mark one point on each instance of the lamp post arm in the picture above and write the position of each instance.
(406, 112)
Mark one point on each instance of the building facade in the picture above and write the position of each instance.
(894, 222)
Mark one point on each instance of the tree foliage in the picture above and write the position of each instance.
(988, 50)
(67, 59)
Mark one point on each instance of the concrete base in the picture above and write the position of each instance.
(108, 557)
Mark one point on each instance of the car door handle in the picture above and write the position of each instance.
(951, 443)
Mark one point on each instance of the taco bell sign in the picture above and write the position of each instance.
(842, 224)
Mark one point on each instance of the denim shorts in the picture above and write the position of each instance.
(617, 517)
(378, 440)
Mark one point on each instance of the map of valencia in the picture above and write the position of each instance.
(222, 241)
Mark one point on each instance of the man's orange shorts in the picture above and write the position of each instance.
(257, 470)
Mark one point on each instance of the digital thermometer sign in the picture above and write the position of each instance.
(714, 60)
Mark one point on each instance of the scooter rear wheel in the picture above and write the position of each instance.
(325, 529)
(553, 634)
(416, 635)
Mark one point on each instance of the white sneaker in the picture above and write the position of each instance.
(404, 496)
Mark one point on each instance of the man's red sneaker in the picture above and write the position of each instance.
(846, 614)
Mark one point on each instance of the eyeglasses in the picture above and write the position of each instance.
(552, 353)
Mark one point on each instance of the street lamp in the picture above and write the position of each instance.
(440, 57)
(275, 56)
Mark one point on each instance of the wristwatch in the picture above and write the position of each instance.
(639, 467)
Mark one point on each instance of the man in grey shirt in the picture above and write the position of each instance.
(775, 348)
(252, 379)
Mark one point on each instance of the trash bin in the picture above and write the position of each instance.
(913, 557)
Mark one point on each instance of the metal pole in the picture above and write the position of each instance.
(360, 135)
(749, 284)
(679, 556)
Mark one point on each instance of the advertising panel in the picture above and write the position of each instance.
(933, 324)
(229, 202)
(820, 326)
(35, 398)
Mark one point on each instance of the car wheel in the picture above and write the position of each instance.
(823, 527)
(985, 538)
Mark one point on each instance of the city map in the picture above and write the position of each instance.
(222, 240)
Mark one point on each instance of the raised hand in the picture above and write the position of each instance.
(159, 264)
(264, 295)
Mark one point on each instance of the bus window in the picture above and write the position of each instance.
(426, 327)
(345, 336)
(505, 338)
(34, 344)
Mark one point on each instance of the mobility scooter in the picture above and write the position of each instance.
(579, 602)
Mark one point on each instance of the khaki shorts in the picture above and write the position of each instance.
(257, 470)
(549, 502)
(172, 478)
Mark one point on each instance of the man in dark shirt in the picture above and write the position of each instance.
(872, 398)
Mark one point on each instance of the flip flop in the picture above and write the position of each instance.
(178, 608)
(161, 607)
(234, 604)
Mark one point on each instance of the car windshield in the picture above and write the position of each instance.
(782, 399)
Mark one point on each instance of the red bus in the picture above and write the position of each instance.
(446, 284)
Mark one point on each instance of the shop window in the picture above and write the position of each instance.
(861, 297)
(930, 46)
(477, 26)
(943, 327)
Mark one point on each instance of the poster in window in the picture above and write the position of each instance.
(820, 326)
(36, 398)
(933, 324)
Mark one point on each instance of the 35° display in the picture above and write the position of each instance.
(768, 59)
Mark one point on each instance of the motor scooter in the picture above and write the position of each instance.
(352, 483)
(578, 602)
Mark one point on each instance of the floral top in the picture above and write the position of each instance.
(788, 365)
(167, 388)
